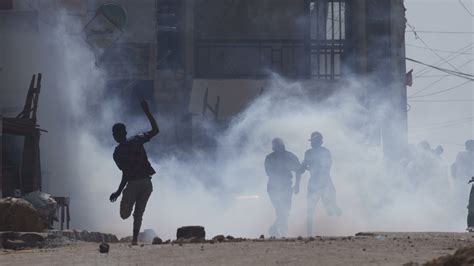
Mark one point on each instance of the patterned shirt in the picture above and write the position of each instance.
(130, 157)
(318, 161)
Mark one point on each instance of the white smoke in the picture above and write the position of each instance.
(207, 189)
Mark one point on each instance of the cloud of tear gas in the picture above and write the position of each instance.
(226, 191)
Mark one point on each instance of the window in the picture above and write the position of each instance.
(294, 39)
(328, 37)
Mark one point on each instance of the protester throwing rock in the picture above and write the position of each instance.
(131, 158)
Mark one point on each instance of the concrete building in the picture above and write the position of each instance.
(172, 51)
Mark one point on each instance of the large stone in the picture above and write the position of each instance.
(157, 241)
(188, 232)
(19, 215)
(104, 248)
(14, 240)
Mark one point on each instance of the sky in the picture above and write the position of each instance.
(430, 117)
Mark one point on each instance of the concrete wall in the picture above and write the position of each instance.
(250, 19)
(19, 33)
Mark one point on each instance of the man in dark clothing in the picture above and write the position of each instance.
(278, 165)
(130, 157)
(318, 161)
(462, 169)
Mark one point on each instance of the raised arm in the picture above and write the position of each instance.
(154, 126)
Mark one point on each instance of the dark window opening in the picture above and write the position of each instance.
(328, 37)
(313, 49)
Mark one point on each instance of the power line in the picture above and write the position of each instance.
(470, 77)
(441, 32)
(445, 124)
(441, 91)
(439, 50)
(427, 46)
(449, 58)
(431, 76)
(438, 80)
(442, 101)
(465, 7)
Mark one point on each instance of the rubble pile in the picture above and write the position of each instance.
(17, 214)
(19, 241)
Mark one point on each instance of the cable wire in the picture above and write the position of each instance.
(449, 58)
(418, 37)
(465, 7)
(470, 77)
(438, 80)
(438, 50)
(441, 91)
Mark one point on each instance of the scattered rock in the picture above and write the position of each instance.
(104, 248)
(195, 240)
(44, 204)
(157, 241)
(219, 238)
(463, 256)
(20, 215)
(16, 240)
(365, 234)
(188, 232)
(146, 236)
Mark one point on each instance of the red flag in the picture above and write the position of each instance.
(409, 78)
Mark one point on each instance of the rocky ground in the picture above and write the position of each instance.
(362, 249)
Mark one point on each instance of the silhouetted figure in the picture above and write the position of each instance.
(130, 157)
(278, 165)
(462, 169)
(424, 164)
(318, 161)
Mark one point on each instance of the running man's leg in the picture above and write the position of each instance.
(470, 209)
(274, 199)
(127, 202)
(328, 195)
(144, 192)
(284, 211)
(312, 200)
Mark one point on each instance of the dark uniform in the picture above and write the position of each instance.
(463, 169)
(278, 166)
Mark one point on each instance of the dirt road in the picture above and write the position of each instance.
(370, 249)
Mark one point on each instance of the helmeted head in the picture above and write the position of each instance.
(278, 145)
(469, 145)
(316, 139)
(119, 132)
